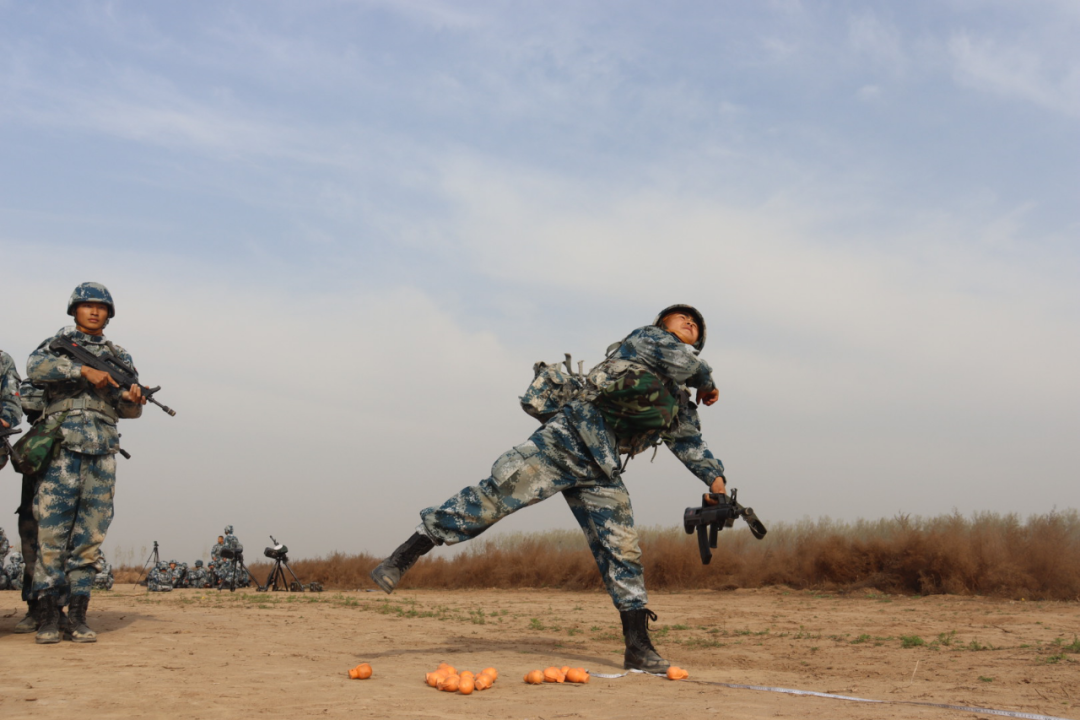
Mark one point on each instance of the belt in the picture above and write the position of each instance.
(83, 403)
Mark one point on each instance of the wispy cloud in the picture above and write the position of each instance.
(1016, 72)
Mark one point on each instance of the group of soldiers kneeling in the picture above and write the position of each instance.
(165, 576)
(226, 569)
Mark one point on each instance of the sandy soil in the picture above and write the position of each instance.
(199, 654)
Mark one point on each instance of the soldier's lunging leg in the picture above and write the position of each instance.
(553, 459)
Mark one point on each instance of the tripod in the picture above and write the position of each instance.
(237, 556)
(155, 557)
(277, 573)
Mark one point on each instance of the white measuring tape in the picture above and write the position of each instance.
(831, 696)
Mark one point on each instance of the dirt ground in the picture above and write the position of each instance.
(205, 654)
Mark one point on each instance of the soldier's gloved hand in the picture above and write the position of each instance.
(719, 486)
(97, 378)
(133, 395)
(707, 397)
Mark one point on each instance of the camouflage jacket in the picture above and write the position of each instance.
(14, 568)
(198, 578)
(90, 426)
(676, 365)
(11, 410)
(159, 579)
(4, 544)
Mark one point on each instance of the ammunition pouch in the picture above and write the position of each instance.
(38, 446)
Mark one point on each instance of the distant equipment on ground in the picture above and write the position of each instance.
(280, 555)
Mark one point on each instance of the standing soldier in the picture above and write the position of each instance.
(74, 499)
(229, 567)
(215, 560)
(635, 399)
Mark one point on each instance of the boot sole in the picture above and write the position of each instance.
(74, 639)
(385, 585)
(47, 641)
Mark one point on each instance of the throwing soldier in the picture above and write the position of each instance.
(635, 399)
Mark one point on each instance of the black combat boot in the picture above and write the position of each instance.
(76, 629)
(30, 623)
(640, 653)
(388, 573)
(48, 631)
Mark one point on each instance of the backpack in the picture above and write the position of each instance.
(552, 388)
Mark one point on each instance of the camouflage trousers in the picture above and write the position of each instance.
(73, 506)
(553, 460)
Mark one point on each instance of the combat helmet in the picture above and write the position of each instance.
(198, 563)
(228, 529)
(91, 292)
(692, 312)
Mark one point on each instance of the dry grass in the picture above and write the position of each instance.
(988, 554)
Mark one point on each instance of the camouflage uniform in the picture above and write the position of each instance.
(5, 576)
(103, 580)
(198, 577)
(159, 579)
(175, 575)
(13, 569)
(576, 453)
(215, 561)
(74, 497)
(229, 568)
(11, 410)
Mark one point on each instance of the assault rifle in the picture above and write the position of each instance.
(6, 444)
(709, 520)
(125, 375)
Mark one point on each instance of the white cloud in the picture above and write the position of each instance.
(1016, 72)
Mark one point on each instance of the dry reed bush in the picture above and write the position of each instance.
(986, 554)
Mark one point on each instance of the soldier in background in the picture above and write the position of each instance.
(13, 568)
(11, 411)
(74, 498)
(11, 414)
(159, 579)
(215, 553)
(32, 398)
(230, 571)
(103, 580)
(198, 577)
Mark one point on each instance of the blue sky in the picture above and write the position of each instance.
(340, 233)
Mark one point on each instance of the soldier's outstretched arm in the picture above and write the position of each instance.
(686, 443)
